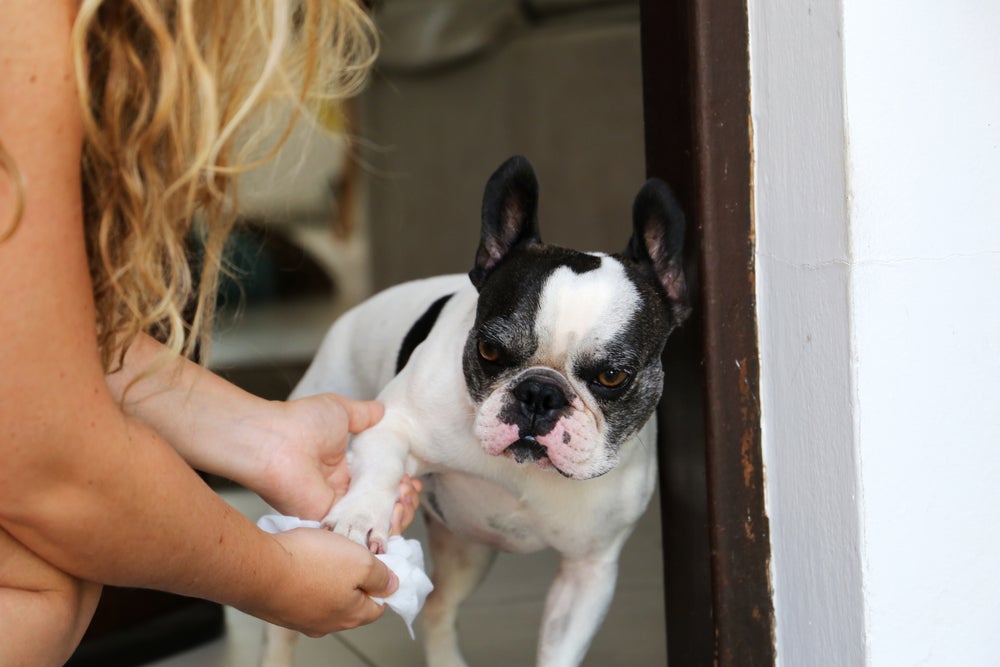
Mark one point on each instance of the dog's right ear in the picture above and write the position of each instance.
(510, 215)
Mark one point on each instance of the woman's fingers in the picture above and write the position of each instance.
(405, 509)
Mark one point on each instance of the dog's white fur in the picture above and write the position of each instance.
(490, 502)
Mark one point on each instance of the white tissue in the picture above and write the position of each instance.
(279, 523)
(404, 557)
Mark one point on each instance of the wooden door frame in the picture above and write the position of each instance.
(696, 95)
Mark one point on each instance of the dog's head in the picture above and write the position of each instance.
(563, 362)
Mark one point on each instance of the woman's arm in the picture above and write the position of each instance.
(85, 487)
(291, 453)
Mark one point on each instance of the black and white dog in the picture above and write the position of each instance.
(525, 400)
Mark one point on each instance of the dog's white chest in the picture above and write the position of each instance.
(531, 510)
(483, 511)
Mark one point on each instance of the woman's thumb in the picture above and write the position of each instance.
(381, 582)
(361, 414)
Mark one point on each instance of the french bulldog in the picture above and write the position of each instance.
(523, 395)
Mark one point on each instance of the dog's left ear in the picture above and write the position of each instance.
(510, 215)
(658, 240)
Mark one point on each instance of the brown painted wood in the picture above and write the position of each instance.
(716, 542)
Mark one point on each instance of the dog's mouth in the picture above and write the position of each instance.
(528, 450)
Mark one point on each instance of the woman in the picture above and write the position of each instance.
(122, 125)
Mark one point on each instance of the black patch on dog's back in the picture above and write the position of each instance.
(419, 331)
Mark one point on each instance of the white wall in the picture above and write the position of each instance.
(923, 118)
(877, 186)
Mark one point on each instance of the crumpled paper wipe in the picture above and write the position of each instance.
(404, 557)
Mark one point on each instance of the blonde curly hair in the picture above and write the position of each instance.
(174, 96)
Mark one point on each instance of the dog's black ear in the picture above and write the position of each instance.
(510, 215)
(658, 240)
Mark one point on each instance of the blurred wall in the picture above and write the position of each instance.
(561, 86)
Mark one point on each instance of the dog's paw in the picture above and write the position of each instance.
(361, 520)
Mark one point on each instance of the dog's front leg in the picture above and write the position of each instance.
(378, 462)
(576, 605)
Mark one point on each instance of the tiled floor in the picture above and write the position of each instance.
(499, 622)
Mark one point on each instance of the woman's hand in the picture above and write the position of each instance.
(305, 471)
(327, 584)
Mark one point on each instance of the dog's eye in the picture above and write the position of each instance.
(488, 351)
(612, 379)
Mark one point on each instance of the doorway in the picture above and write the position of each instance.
(696, 92)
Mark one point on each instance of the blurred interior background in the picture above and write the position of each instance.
(388, 188)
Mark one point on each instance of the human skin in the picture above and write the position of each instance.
(89, 492)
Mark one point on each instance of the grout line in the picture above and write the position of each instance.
(355, 651)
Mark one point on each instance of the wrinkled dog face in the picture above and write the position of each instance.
(564, 365)
(563, 361)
